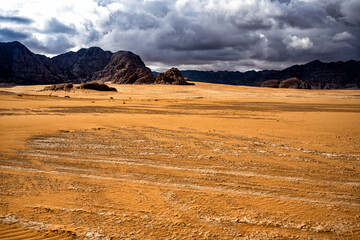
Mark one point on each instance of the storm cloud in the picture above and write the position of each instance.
(20, 20)
(191, 34)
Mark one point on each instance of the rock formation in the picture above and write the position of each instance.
(97, 86)
(270, 84)
(125, 68)
(172, 76)
(58, 87)
(294, 83)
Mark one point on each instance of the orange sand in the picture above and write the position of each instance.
(180, 162)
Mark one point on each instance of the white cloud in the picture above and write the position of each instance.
(299, 43)
(342, 36)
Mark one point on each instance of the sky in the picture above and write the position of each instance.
(235, 35)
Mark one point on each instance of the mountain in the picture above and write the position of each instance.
(317, 74)
(322, 75)
(19, 65)
(125, 67)
(81, 65)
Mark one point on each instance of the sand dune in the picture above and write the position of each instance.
(180, 162)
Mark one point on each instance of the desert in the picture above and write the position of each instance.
(204, 161)
(179, 119)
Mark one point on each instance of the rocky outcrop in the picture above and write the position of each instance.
(90, 85)
(80, 66)
(172, 76)
(97, 86)
(294, 83)
(125, 68)
(58, 87)
(270, 84)
(19, 65)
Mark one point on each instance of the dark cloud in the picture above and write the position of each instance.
(129, 20)
(90, 33)
(6, 34)
(52, 45)
(351, 11)
(198, 34)
(19, 20)
(55, 26)
(333, 10)
(302, 15)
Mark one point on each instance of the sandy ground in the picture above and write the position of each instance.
(179, 162)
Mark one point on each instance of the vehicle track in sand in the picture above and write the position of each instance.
(198, 163)
(168, 162)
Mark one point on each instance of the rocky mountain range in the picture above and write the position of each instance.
(20, 66)
(317, 74)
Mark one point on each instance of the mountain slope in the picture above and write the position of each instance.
(19, 65)
(81, 65)
(125, 67)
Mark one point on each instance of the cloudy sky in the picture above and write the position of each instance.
(191, 34)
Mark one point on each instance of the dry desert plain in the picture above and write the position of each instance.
(179, 162)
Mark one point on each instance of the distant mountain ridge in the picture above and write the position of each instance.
(20, 66)
(317, 74)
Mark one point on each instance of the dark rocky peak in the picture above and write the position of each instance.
(123, 58)
(19, 65)
(92, 51)
(15, 51)
(81, 65)
(125, 67)
(14, 46)
(314, 63)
